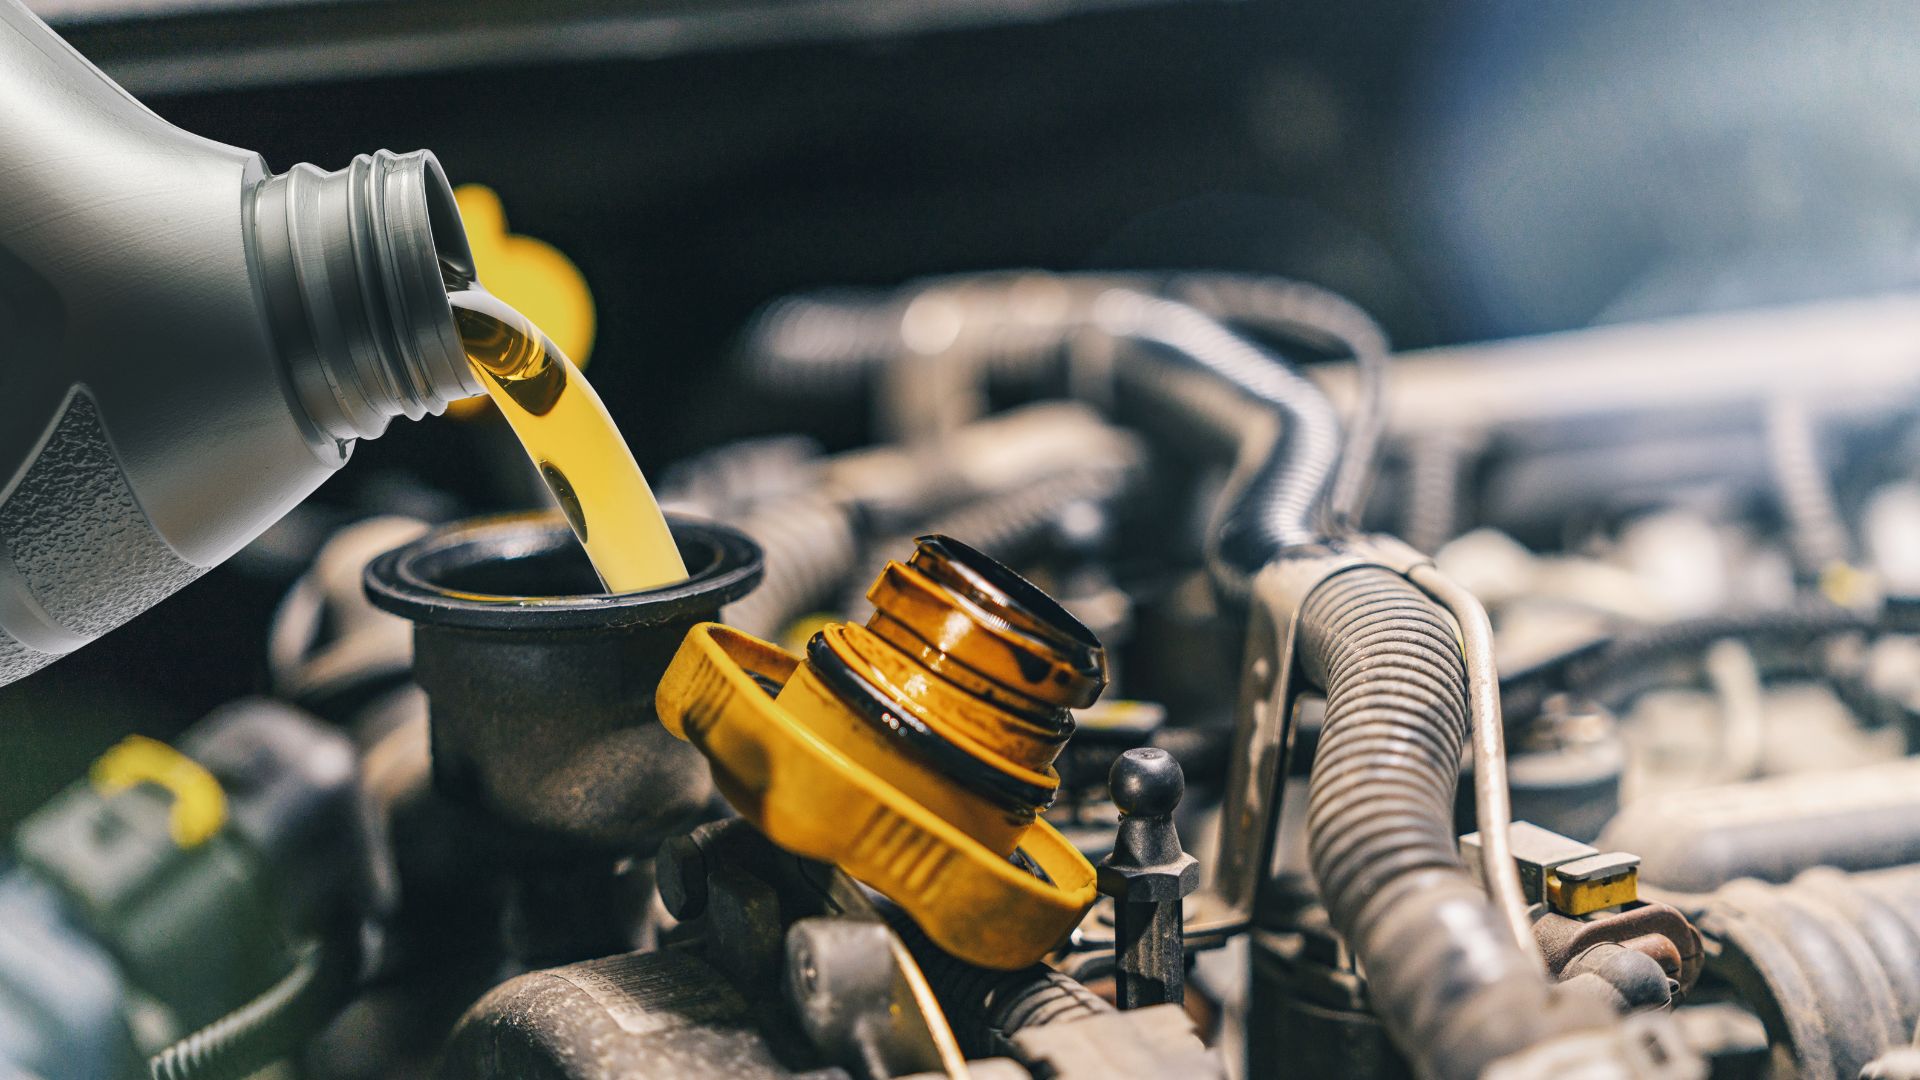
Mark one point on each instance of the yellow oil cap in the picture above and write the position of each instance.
(914, 752)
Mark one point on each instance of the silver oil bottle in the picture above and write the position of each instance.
(189, 344)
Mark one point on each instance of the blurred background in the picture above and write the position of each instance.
(1463, 171)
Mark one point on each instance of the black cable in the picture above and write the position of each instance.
(262, 1031)
(833, 338)
(1631, 663)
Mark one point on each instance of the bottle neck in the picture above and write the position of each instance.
(354, 265)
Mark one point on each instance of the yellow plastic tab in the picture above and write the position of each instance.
(199, 804)
(1586, 897)
(815, 801)
(1849, 586)
(530, 274)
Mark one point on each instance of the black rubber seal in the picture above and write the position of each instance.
(872, 703)
(526, 572)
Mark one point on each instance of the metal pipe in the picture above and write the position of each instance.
(1492, 802)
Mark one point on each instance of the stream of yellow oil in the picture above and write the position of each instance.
(572, 440)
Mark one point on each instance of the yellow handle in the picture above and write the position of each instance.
(199, 804)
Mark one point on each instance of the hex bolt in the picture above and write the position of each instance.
(1147, 875)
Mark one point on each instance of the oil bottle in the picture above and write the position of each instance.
(192, 342)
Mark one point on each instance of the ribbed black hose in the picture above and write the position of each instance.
(1633, 662)
(1280, 505)
(1300, 311)
(1306, 483)
(258, 1033)
(1443, 972)
(986, 1007)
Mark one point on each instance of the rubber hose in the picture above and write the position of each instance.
(1322, 318)
(1280, 505)
(1443, 972)
(256, 1034)
(987, 1007)
(1630, 665)
(1306, 485)
(1815, 527)
(809, 546)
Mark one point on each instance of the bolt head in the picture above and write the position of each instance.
(1147, 782)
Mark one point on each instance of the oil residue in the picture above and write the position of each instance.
(572, 440)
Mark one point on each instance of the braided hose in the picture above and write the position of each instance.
(256, 1034)
(1446, 977)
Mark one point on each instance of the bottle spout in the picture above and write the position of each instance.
(356, 265)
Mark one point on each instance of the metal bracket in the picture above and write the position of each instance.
(1263, 726)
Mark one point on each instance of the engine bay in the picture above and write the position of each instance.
(1183, 579)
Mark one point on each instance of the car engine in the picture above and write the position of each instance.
(1225, 539)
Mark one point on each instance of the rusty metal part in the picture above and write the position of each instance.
(1656, 929)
